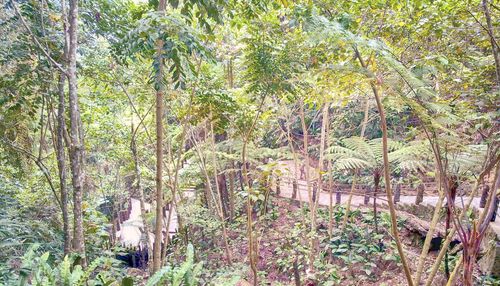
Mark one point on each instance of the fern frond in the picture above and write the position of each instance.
(351, 164)
(160, 276)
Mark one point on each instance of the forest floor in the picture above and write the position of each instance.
(282, 236)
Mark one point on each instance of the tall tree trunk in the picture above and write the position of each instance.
(252, 244)
(387, 178)
(159, 150)
(387, 175)
(61, 128)
(76, 148)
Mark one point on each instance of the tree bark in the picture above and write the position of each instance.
(76, 146)
(159, 150)
(61, 127)
(61, 165)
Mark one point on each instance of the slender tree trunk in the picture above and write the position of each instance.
(375, 191)
(278, 186)
(365, 117)
(295, 162)
(430, 233)
(140, 191)
(330, 184)
(220, 204)
(452, 188)
(252, 255)
(324, 132)
(76, 147)
(252, 245)
(231, 193)
(295, 188)
(387, 176)
(305, 133)
(159, 150)
(475, 235)
(453, 275)
(230, 77)
(494, 44)
(61, 127)
(61, 165)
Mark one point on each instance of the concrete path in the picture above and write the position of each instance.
(130, 232)
(286, 190)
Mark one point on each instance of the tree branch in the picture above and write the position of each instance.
(45, 52)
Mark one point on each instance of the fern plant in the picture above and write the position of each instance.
(40, 270)
(358, 153)
(186, 274)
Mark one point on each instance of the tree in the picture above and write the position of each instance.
(76, 149)
(159, 84)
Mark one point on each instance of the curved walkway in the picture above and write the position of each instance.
(286, 190)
